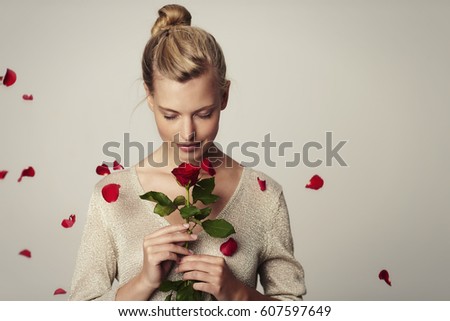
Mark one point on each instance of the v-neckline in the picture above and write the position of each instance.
(163, 222)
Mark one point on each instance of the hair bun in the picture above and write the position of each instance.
(169, 16)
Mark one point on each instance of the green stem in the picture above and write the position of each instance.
(188, 203)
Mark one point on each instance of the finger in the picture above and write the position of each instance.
(168, 248)
(199, 276)
(158, 258)
(205, 287)
(171, 238)
(204, 258)
(198, 266)
(169, 229)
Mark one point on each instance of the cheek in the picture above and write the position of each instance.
(165, 130)
(208, 129)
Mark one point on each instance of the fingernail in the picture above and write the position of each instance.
(190, 251)
(186, 225)
(194, 236)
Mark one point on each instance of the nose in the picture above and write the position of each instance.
(187, 131)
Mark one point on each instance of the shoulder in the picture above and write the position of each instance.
(260, 180)
(125, 181)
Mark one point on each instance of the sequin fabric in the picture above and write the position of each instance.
(110, 253)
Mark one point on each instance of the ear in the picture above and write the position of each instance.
(225, 95)
(149, 98)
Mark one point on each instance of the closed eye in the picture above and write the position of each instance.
(170, 117)
(205, 116)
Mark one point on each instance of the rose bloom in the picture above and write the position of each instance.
(186, 174)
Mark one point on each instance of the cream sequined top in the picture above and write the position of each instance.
(111, 254)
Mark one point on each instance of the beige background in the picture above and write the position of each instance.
(375, 73)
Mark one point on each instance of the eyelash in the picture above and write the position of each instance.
(200, 116)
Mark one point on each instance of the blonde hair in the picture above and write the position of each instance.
(179, 51)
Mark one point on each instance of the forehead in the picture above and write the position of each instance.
(184, 96)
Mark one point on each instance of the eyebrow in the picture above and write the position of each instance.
(196, 111)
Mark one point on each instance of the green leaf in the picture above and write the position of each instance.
(168, 285)
(157, 197)
(206, 184)
(198, 295)
(164, 210)
(186, 293)
(179, 200)
(188, 211)
(218, 228)
(202, 191)
(164, 206)
(169, 297)
(204, 212)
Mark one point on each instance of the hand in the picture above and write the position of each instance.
(161, 249)
(214, 275)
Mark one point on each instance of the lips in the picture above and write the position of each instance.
(188, 147)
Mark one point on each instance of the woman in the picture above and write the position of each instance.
(184, 77)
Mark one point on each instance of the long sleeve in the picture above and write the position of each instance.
(281, 275)
(95, 268)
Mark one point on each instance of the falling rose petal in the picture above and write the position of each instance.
(384, 275)
(229, 247)
(25, 253)
(29, 172)
(262, 184)
(117, 166)
(66, 223)
(207, 167)
(10, 78)
(110, 192)
(103, 170)
(316, 182)
(27, 97)
(3, 174)
(59, 291)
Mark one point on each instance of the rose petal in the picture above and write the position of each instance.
(117, 166)
(3, 174)
(384, 275)
(316, 182)
(186, 174)
(262, 184)
(207, 167)
(59, 291)
(27, 97)
(27, 172)
(229, 247)
(10, 78)
(25, 253)
(110, 192)
(103, 170)
(66, 223)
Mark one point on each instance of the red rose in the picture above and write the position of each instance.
(229, 247)
(207, 167)
(186, 174)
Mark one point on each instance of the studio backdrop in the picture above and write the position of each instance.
(345, 103)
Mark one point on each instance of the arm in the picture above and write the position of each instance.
(95, 267)
(282, 276)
